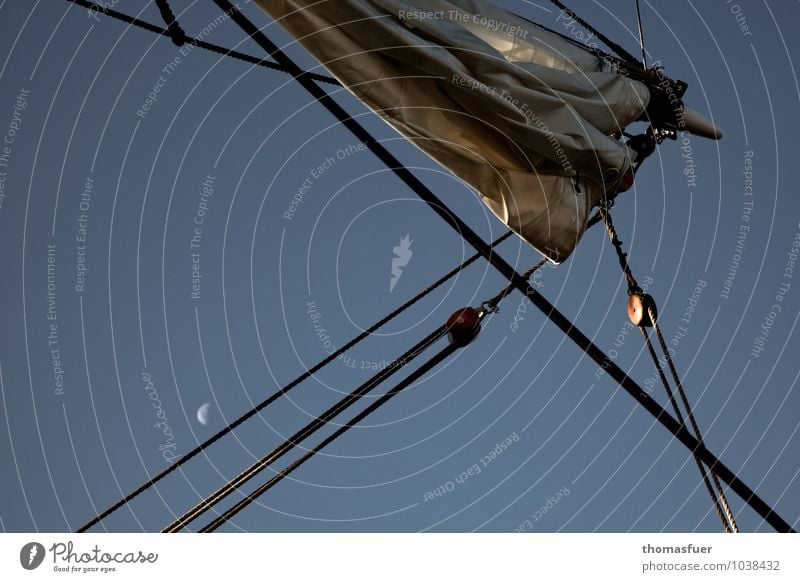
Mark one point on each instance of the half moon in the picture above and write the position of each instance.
(202, 413)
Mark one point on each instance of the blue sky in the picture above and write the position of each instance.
(230, 145)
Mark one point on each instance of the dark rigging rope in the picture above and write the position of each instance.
(272, 398)
(695, 427)
(721, 513)
(625, 55)
(174, 29)
(622, 256)
(110, 12)
(492, 304)
(625, 63)
(720, 504)
(641, 34)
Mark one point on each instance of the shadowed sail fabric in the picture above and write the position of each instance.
(519, 113)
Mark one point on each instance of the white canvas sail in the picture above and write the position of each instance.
(517, 112)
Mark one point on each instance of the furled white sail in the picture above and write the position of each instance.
(519, 113)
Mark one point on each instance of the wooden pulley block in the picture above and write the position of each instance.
(464, 325)
(638, 309)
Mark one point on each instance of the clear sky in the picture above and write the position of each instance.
(149, 268)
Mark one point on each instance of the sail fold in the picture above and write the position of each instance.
(519, 113)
